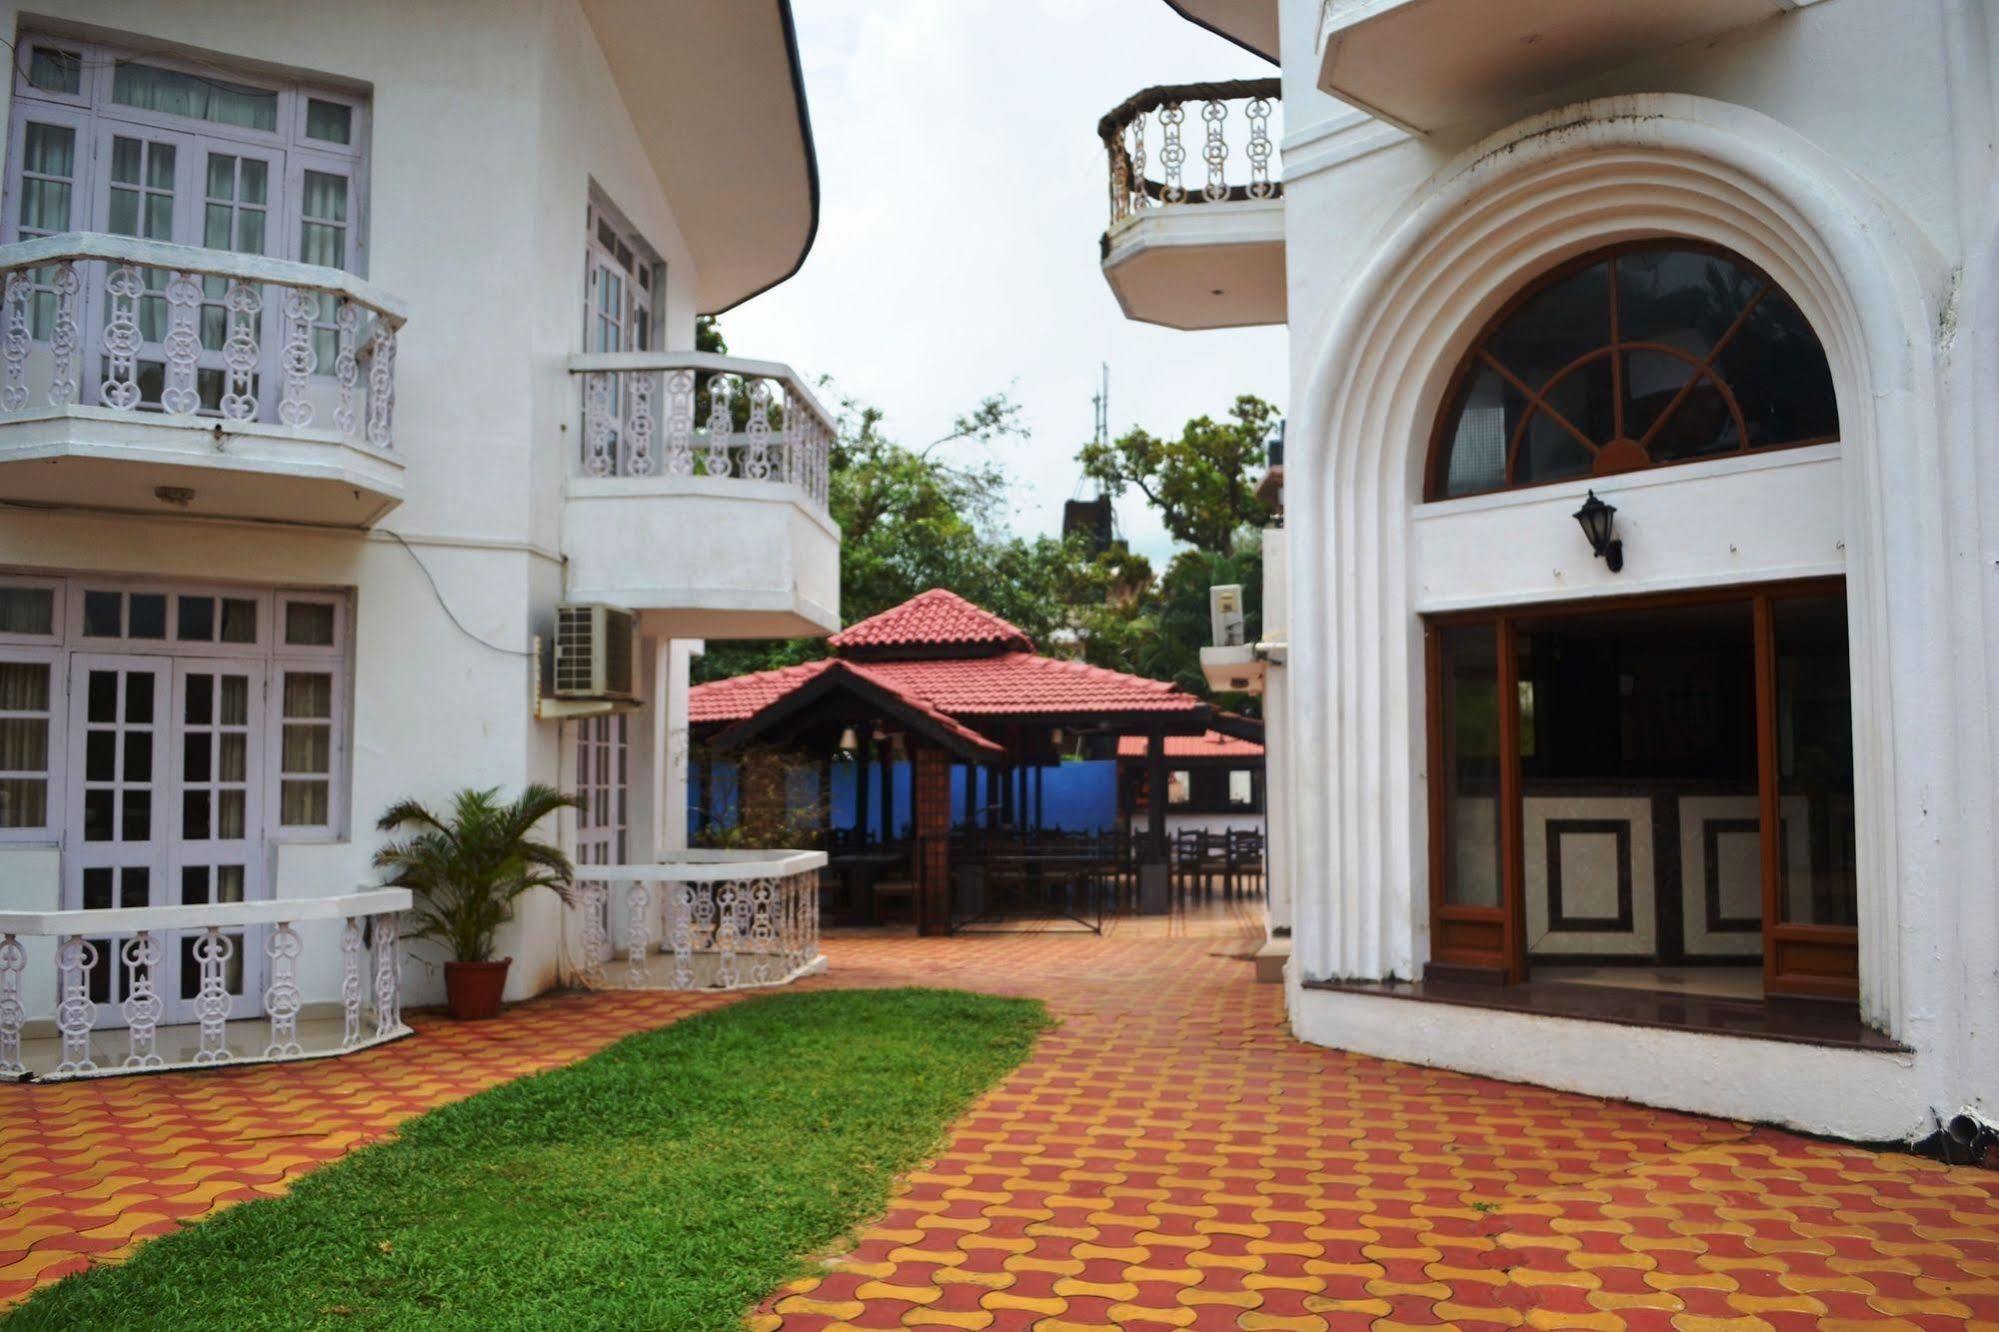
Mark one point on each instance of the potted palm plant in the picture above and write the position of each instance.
(466, 871)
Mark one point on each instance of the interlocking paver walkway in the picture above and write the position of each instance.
(1167, 1157)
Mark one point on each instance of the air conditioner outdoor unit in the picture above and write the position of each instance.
(594, 652)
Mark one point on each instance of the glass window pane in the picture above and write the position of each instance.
(235, 748)
(1779, 374)
(100, 756)
(139, 698)
(329, 122)
(308, 624)
(1815, 762)
(197, 96)
(24, 802)
(24, 686)
(307, 749)
(1555, 327)
(57, 71)
(1487, 409)
(195, 814)
(149, 615)
(1470, 706)
(196, 619)
(103, 692)
(1683, 299)
(138, 756)
(27, 610)
(103, 614)
(49, 150)
(254, 183)
(221, 176)
(97, 880)
(126, 155)
(239, 620)
(24, 744)
(138, 805)
(235, 710)
(97, 806)
(325, 197)
(308, 694)
(303, 804)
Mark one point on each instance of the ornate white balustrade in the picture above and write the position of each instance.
(139, 326)
(689, 414)
(123, 953)
(1225, 127)
(725, 920)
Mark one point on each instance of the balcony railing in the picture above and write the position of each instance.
(130, 945)
(725, 920)
(1146, 138)
(689, 414)
(180, 332)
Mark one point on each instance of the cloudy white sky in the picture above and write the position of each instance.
(962, 194)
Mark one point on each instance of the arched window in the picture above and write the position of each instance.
(1633, 357)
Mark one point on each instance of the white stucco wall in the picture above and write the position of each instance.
(1846, 149)
(490, 123)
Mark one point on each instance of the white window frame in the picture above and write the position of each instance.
(100, 114)
(270, 648)
(49, 832)
(648, 297)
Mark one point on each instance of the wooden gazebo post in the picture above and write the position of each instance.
(1155, 871)
(931, 857)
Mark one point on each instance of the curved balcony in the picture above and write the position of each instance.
(141, 375)
(330, 969)
(698, 494)
(1424, 65)
(1196, 234)
(708, 920)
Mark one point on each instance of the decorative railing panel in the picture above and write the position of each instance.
(129, 944)
(1191, 143)
(180, 332)
(720, 920)
(689, 414)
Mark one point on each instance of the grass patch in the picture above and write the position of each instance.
(669, 1181)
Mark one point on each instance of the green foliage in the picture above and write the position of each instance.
(469, 869)
(1203, 483)
(670, 1181)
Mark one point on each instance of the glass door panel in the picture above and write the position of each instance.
(114, 848)
(217, 852)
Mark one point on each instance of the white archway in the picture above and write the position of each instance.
(1549, 188)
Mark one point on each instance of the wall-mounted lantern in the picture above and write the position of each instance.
(1596, 518)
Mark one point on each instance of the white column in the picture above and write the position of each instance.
(671, 673)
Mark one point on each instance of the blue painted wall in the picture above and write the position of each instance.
(1076, 797)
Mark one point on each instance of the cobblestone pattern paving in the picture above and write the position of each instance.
(1168, 1157)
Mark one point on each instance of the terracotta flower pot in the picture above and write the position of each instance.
(473, 988)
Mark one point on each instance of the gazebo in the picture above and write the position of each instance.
(953, 684)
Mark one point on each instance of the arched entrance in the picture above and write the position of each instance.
(1652, 790)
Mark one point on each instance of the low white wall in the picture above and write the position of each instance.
(1883, 1096)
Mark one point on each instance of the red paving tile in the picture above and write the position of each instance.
(1167, 1158)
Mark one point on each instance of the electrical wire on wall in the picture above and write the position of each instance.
(438, 593)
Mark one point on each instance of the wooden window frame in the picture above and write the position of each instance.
(1806, 960)
(1476, 358)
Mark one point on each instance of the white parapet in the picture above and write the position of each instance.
(127, 951)
(725, 920)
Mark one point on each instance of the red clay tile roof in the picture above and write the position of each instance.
(1015, 684)
(746, 695)
(1213, 744)
(932, 619)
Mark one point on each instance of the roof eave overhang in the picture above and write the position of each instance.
(1250, 24)
(895, 707)
(717, 94)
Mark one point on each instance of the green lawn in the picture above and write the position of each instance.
(669, 1181)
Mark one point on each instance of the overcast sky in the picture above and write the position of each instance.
(962, 192)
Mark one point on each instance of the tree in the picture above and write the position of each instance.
(1203, 483)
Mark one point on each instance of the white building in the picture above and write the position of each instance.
(341, 344)
(1733, 268)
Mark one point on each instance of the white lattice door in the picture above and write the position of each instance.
(166, 809)
(114, 843)
(215, 851)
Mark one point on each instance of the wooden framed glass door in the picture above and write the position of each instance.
(1664, 781)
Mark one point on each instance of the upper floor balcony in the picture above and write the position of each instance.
(147, 376)
(1196, 244)
(698, 493)
(1429, 64)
